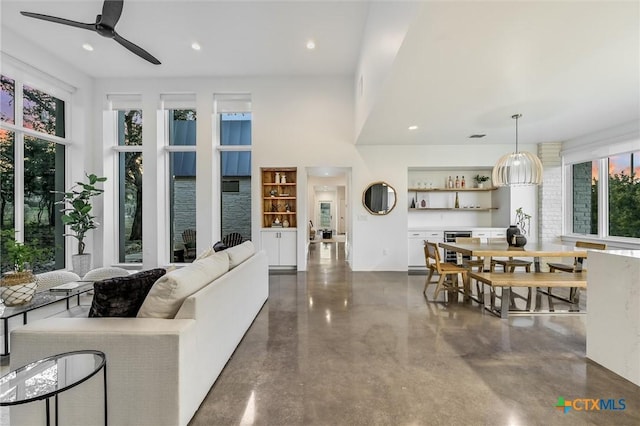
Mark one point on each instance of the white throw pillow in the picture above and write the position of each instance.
(208, 252)
(167, 294)
(240, 253)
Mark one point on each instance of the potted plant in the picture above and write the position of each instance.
(480, 180)
(79, 218)
(523, 221)
(19, 285)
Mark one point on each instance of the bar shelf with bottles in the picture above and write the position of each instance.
(473, 203)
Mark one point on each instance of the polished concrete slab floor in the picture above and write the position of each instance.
(334, 347)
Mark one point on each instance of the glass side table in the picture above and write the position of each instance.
(51, 376)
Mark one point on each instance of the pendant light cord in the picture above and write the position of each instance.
(516, 116)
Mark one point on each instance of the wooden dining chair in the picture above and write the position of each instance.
(444, 271)
(565, 267)
(474, 263)
(510, 264)
(574, 292)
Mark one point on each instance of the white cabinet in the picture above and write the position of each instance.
(416, 246)
(485, 233)
(281, 246)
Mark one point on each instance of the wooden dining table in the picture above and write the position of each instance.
(534, 250)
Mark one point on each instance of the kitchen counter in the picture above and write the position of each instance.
(613, 311)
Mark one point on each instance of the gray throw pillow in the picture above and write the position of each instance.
(122, 296)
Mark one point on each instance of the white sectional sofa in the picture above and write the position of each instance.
(158, 370)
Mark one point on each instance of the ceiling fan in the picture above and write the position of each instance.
(104, 25)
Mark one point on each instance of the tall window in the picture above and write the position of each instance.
(624, 195)
(234, 112)
(182, 183)
(130, 185)
(32, 169)
(607, 192)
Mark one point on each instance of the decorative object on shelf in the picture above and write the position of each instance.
(287, 207)
(379, 198)
(523, 221)
(517, 168)
(277, 178)
(450, 183)
(283, 179)
(413, 203)
(480, 180)
(457, 204)
(273, 192)
(285, 223)
(79, 218)
(462, 183)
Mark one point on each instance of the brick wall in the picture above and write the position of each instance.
(582, 198)
(550, 193)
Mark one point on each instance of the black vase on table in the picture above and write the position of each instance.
(519, 240)
(511, 232)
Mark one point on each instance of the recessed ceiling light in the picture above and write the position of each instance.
(87, 46)
(477, 136)
(311, 44)
(195, 46)
(413, 127)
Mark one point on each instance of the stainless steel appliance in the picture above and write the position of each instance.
(450, 237)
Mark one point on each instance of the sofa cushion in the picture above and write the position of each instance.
(168, 293)
(122, 296)
(240, 253)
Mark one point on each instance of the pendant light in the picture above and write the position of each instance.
(517, 168)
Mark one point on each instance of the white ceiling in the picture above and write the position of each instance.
(570, 67)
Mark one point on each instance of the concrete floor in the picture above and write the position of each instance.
(333, 347)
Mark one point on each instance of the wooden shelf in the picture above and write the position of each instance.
(492, 188)
(278, 202)
(481, 209)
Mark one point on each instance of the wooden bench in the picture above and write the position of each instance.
(527, 280)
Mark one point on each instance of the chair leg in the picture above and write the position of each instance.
(428, 281)
(527, 268)
(440, 286)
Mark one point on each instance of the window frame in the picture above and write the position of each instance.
(57, 89)
(116, 103)
(603, 199)
(169, 103)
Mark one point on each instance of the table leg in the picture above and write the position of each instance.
(536, 264)
(104, 370)
(5, 330)
(48, 414)
(504, 302)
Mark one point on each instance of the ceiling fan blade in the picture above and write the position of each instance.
(135, 49)
(111, 11)
(62, 21)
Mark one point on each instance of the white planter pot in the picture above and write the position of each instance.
(481, 185)
(81, 263)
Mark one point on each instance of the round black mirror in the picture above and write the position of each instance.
(379, 198)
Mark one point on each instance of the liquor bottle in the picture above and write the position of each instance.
(462, 183)
(457, 205)
(457, 182)
(450, 182)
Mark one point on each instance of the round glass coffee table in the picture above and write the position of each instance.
(51, 376)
